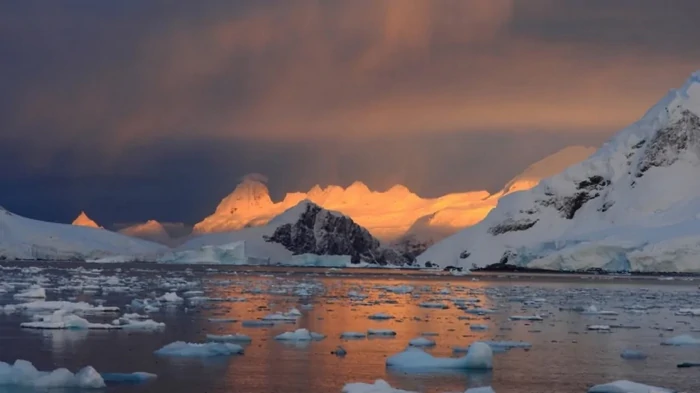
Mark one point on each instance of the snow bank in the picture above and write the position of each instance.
(184, 349)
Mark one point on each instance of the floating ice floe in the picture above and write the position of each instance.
(479, 356)
(684, 339)
(62, 319)
(497, 346)
(171, 297)
(184, 349)
(399, 289)
(79, 307)
(300, 335)
(694, 312)
(627, 387)
(421, 342)
(339, 351)
(228, 338)
(380, 332)
(352, 335)
(478, 327)
(23, 374)
(34, 292)
(593, 310)
(602, 328)
(526, 318)
(433, 305)
(257, 323)
(380, 316)
(130, 321)
(379, 386)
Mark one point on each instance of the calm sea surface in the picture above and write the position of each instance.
(564, 358)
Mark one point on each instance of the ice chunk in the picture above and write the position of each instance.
(300, 335)
(23, 374)
(254, 323)
(130, 378)
(695, 312)
(380, 316)
(421, 342)
(433, 305)
(184, 349)
(400, 289)
(339, 351)
(479, 356)
(34, 292)
(379, 386)
(228, 338)
(137, 324)
(171, 297)
(222, 320)
(351, 335)
(526, 318)
(684, 339)
(627, 387)
(63, 320)
(478, 327)
(380, 332)
(598, 327)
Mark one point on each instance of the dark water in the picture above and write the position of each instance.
(564, 358)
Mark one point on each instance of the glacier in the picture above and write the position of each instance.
(633, 206)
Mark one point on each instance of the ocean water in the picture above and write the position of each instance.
(564, 356)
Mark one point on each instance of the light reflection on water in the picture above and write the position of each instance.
(565, 358)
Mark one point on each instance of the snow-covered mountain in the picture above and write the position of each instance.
(150, 230)
(388, 215)
(24, 238)
(84, 221)
(303, 232)
(633, 205)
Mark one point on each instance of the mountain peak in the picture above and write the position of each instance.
(358, 188)
(249, 195)
(84, 221)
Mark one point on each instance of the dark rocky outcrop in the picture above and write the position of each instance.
(321, 232)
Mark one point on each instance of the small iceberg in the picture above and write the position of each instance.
(627, 387)
(23, 374)
(478, 357)
(684, 339)
(184, 349)
(478, 327)
(228, 338)
(136, 322)
(300, 335)
(421, 342)
(171, 297)
(598, 327)
(379, 386)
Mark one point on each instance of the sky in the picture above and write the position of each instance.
(134, 110)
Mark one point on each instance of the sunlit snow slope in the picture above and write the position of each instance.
(24, 238)
(387, 215)
(633, 205)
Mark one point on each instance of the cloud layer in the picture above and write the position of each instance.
(99, 89)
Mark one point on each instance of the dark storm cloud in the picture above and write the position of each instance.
(134, 110)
